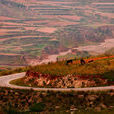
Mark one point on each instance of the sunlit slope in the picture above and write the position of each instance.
(97, 71)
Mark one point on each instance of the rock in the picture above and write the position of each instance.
(11, 91)
(44, 94)
(98, 109)
(80, 96)
(6, 92)
(57, 107)
(16, 93)
(111, 107)
(92, 97)
(91, 103)
(67, 111)
(112, 94)
(30, 85)
(30, 100)
(72, 112)
(73, 108)
(103, 106)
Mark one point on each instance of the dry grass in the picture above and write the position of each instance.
(97, 67)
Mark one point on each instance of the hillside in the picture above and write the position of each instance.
(75, 35)
(111, 51)
(97, 71)
(37, 28)
(56, 102)
(13, 9)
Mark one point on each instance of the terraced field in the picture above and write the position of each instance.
(36, 28)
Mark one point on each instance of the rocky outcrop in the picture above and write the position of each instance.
(69, 81)
(71, 101)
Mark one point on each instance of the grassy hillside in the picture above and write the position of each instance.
(61, 69)
(99, 72)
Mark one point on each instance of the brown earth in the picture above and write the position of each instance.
(39, 80)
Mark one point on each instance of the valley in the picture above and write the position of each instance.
(56, 56)
(31, 30)
(99, 48)
(92, 49)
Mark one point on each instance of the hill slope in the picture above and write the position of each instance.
(96, 72)
(32, 28)
(13, 9)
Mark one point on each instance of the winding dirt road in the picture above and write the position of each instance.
(4, 82)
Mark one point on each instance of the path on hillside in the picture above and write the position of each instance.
(4, 82)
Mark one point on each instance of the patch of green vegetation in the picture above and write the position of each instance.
(13, 71)
(19, 82)
(109, 75)
(39, 107)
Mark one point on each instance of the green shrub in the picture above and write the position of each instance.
(39, 107)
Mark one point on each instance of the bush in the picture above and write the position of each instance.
(39, 107)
